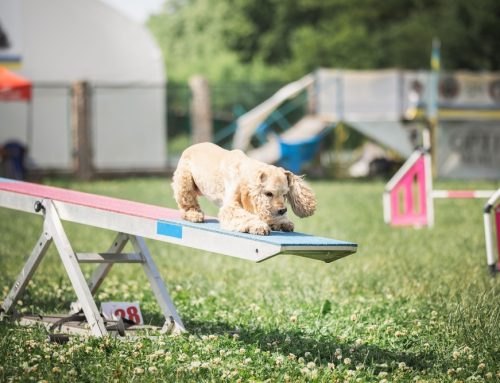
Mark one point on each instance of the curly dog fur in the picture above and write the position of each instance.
(250, 194)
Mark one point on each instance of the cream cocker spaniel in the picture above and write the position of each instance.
(250, 194)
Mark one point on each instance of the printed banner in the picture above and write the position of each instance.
(468, 150)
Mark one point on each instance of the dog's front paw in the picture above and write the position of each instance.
(193, 216)
(259, 228)
(283, 226)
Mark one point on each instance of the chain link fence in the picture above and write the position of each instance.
(228, 102)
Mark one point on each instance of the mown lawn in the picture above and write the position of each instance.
(411, 305)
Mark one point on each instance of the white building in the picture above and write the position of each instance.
(62, 42)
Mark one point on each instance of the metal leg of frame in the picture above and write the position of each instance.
(70, 262)
(489, 242)
(102, 270)
(28, 270)
(173, 321)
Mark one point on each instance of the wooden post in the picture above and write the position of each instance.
(201, 110)
(81, 130)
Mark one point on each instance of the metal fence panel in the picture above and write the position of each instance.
(128, 127)
(50, 145)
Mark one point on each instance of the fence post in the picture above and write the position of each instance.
(81, 130)
(201, 110)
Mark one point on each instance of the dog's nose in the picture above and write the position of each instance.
(282, 211)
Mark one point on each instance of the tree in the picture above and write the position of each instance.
(284, 39)
(191, 36)
(470, 34)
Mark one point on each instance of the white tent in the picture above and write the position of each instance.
(68, 41)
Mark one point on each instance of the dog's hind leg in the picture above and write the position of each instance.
(186, 194)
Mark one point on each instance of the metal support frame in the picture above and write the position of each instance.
(491, 219)
(53, 231)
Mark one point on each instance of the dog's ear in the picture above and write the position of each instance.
(301, 197)
(245, 199)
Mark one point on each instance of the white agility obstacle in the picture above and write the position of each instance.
(492, 231)
(133, 222)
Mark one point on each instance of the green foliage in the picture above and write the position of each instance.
(326, 307)
(470, 34)
(262, 40)
(411, 305)
(191, 37)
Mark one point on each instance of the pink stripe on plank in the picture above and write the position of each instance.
(115, 205)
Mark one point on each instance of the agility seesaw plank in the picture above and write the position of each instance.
(166, 225)
(133, 222)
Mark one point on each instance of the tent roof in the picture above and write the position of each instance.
(13, 87)
(104, 45)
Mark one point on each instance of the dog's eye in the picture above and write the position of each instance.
(268, 194)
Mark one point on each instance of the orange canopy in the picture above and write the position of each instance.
(13, 87)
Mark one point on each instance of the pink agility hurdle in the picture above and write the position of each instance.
(406, 201)
(409, 197)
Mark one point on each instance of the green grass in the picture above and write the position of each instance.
(411, 305)
(178, 143)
